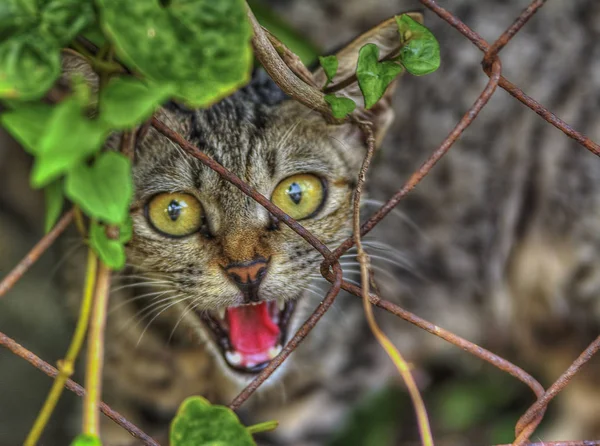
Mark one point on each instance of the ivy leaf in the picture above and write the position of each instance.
(126, 230)
(421, 51)
(263, 427)
(93, 33)
(340, 106)
(127, 101)
(330, 66)
(104, 189)
(70, 137)
(29, 66)
(200, 423)
(86, 440)
(54, 204)
(16, 16)
(111, 252)
(374, 76)
(201, 47)
(27, 124)
(31, 36)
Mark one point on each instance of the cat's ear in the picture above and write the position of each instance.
(386, 37)
(74, 65)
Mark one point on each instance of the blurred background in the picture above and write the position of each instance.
(555, 59)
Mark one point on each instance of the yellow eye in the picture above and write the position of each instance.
(175, 214)
(299, 196)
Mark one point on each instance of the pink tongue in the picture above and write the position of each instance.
(251, 330)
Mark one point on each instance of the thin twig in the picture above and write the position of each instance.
(95, 354)
(282, 75)
(291, 59)
(127, 146)
(35, 253)
(66, 366)
(384, 341)
(42, 365)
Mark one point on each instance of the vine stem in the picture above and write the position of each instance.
(66, 366)
(384, 341)
(46, 368)
(283, 75)
(95, 354)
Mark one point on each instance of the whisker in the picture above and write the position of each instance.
(140, 284)
(158, 314)
(157, 295)
(190, 307)
(139, 316)
(399, 214)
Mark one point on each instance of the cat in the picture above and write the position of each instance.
(497, 244)
(216, 285)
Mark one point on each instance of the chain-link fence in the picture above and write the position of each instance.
(330, 268)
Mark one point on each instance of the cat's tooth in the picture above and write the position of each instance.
(221, 312)
(274, 351)
(234, 358)
(281, 305)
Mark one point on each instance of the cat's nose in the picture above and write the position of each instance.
(248, 276)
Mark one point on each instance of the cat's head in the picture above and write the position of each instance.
(236, 275)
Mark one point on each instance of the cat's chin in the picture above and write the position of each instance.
(249, 336)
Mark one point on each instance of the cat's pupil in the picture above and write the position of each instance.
(174, 210)
(295, 192)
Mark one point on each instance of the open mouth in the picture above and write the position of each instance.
(250, 335)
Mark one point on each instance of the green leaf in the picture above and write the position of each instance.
(200, 423)
(374, 76)
(27, 124)
(330, 66)
(31, 36)
(86, 440)
(103, 190)
(28, 67)
(263, 427)
(94, 34)
(16, 16)
(111, 252)
(126, 230)
(340, 107)
(70, 137)
(421, 51)
(201, 47)
(54, 204)
(126, 102)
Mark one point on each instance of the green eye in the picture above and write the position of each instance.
(175, 214)
(299, 196)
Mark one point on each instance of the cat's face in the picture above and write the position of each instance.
(237, 274)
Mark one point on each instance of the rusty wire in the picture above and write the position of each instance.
(52, 372)
(330, 268)
(17, 272)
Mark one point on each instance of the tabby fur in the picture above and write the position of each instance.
(498, 244)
